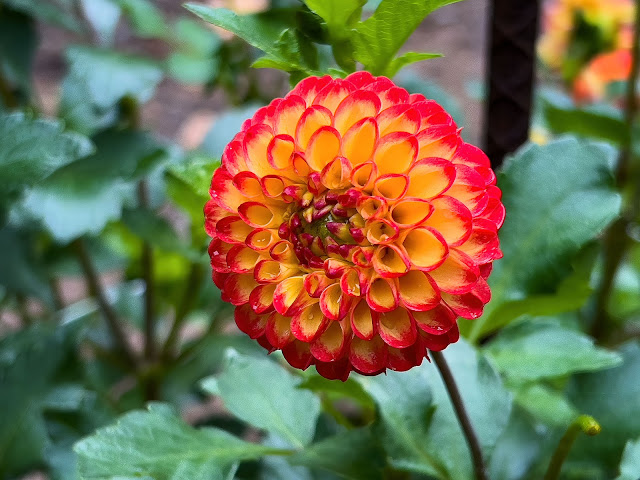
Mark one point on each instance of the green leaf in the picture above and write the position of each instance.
(56, 12)
(518, 448)
(32, 150)
(612, 397)
(355, 455)
(98, 80)
(555, 351)
(18, 43)
(548, 406)
(594, 122)
(271, 31)
(339, 15)
(630, 465)
(29, 361)
(157, 443)
(419, 439)
(378, 39)
(559, 197)
(349, 389)
(21, 272)
(85, 195)
(192, 69)
(408, 58)
(103, 15)
(265, 395)
(158, 232)
(145, 17)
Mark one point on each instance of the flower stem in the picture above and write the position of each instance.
(458, 405)
(109, 314)
(191, 291)
(583, 423)
(616, 240)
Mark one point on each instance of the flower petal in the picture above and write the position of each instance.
(396, 328)
(418, 291)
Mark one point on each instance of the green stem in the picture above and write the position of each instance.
(616, 240)
(463, 418)
(109, 314)
(189, 298)
(583, 423)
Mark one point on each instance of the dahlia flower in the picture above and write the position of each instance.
(351, 226)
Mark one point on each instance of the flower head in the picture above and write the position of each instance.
(351, 226)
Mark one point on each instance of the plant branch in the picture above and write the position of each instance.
(109, 314)
(458, 405)
(616, 240)
(189, 297)
(8, 98)
(147, 275)
(583, 423)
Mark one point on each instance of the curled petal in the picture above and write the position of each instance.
(280, 152)
(261, 239)
(232, 230)
(350, 282)
(437, 343)
(425, 247)
(363, 176)
(382, 294)
(278, 330)
(259, 215)
(271, 271)
(233, 156)
(395, 152)
(242, 259)
(224, 192)
(287, 114)
(286, 293)
(452, 219)
(324, 146)
(297, 354)
(402, 359)
(392, 186)
(363, 321)
(457, 274)
(418, 291)
(372, 207)
(334, 303)
(238, 288)
(438, 141)
(316, 282)
(411, 212)
(309, 88)
(397, 328)
(333, 94)
(368, 356)
(430, 177)
(250, 322)
(469, 188)
(307, 324)
(313, 118)
(398, 118)
(390, 261)
(382, 231)
(360, 79)
(283, 252)
(359, 142)
(256, 143)
(329, 346)
(355, 107)
(483, 245)
(435, 321)
(261, 298)
(337, 173)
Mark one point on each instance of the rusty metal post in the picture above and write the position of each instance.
(510, 74)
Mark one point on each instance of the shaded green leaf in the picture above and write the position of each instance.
(419, 439)
(103, 15)
(97, 80)
(265, 395)
(33, 149)
(29, 361)
(612, 397)
(355, 455)
(630, 465)
(558, 197)
(56, 12)
(147, 20)
(158, 444)
(271, 31)
(192, 69)
(339, 15)
(548, 406)
(18, 42)
(85, 195)
(349, 389)
(555, 351)
(378, 39)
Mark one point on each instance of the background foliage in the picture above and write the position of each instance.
(102, 387)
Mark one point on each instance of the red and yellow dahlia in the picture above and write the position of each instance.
(351, 226)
